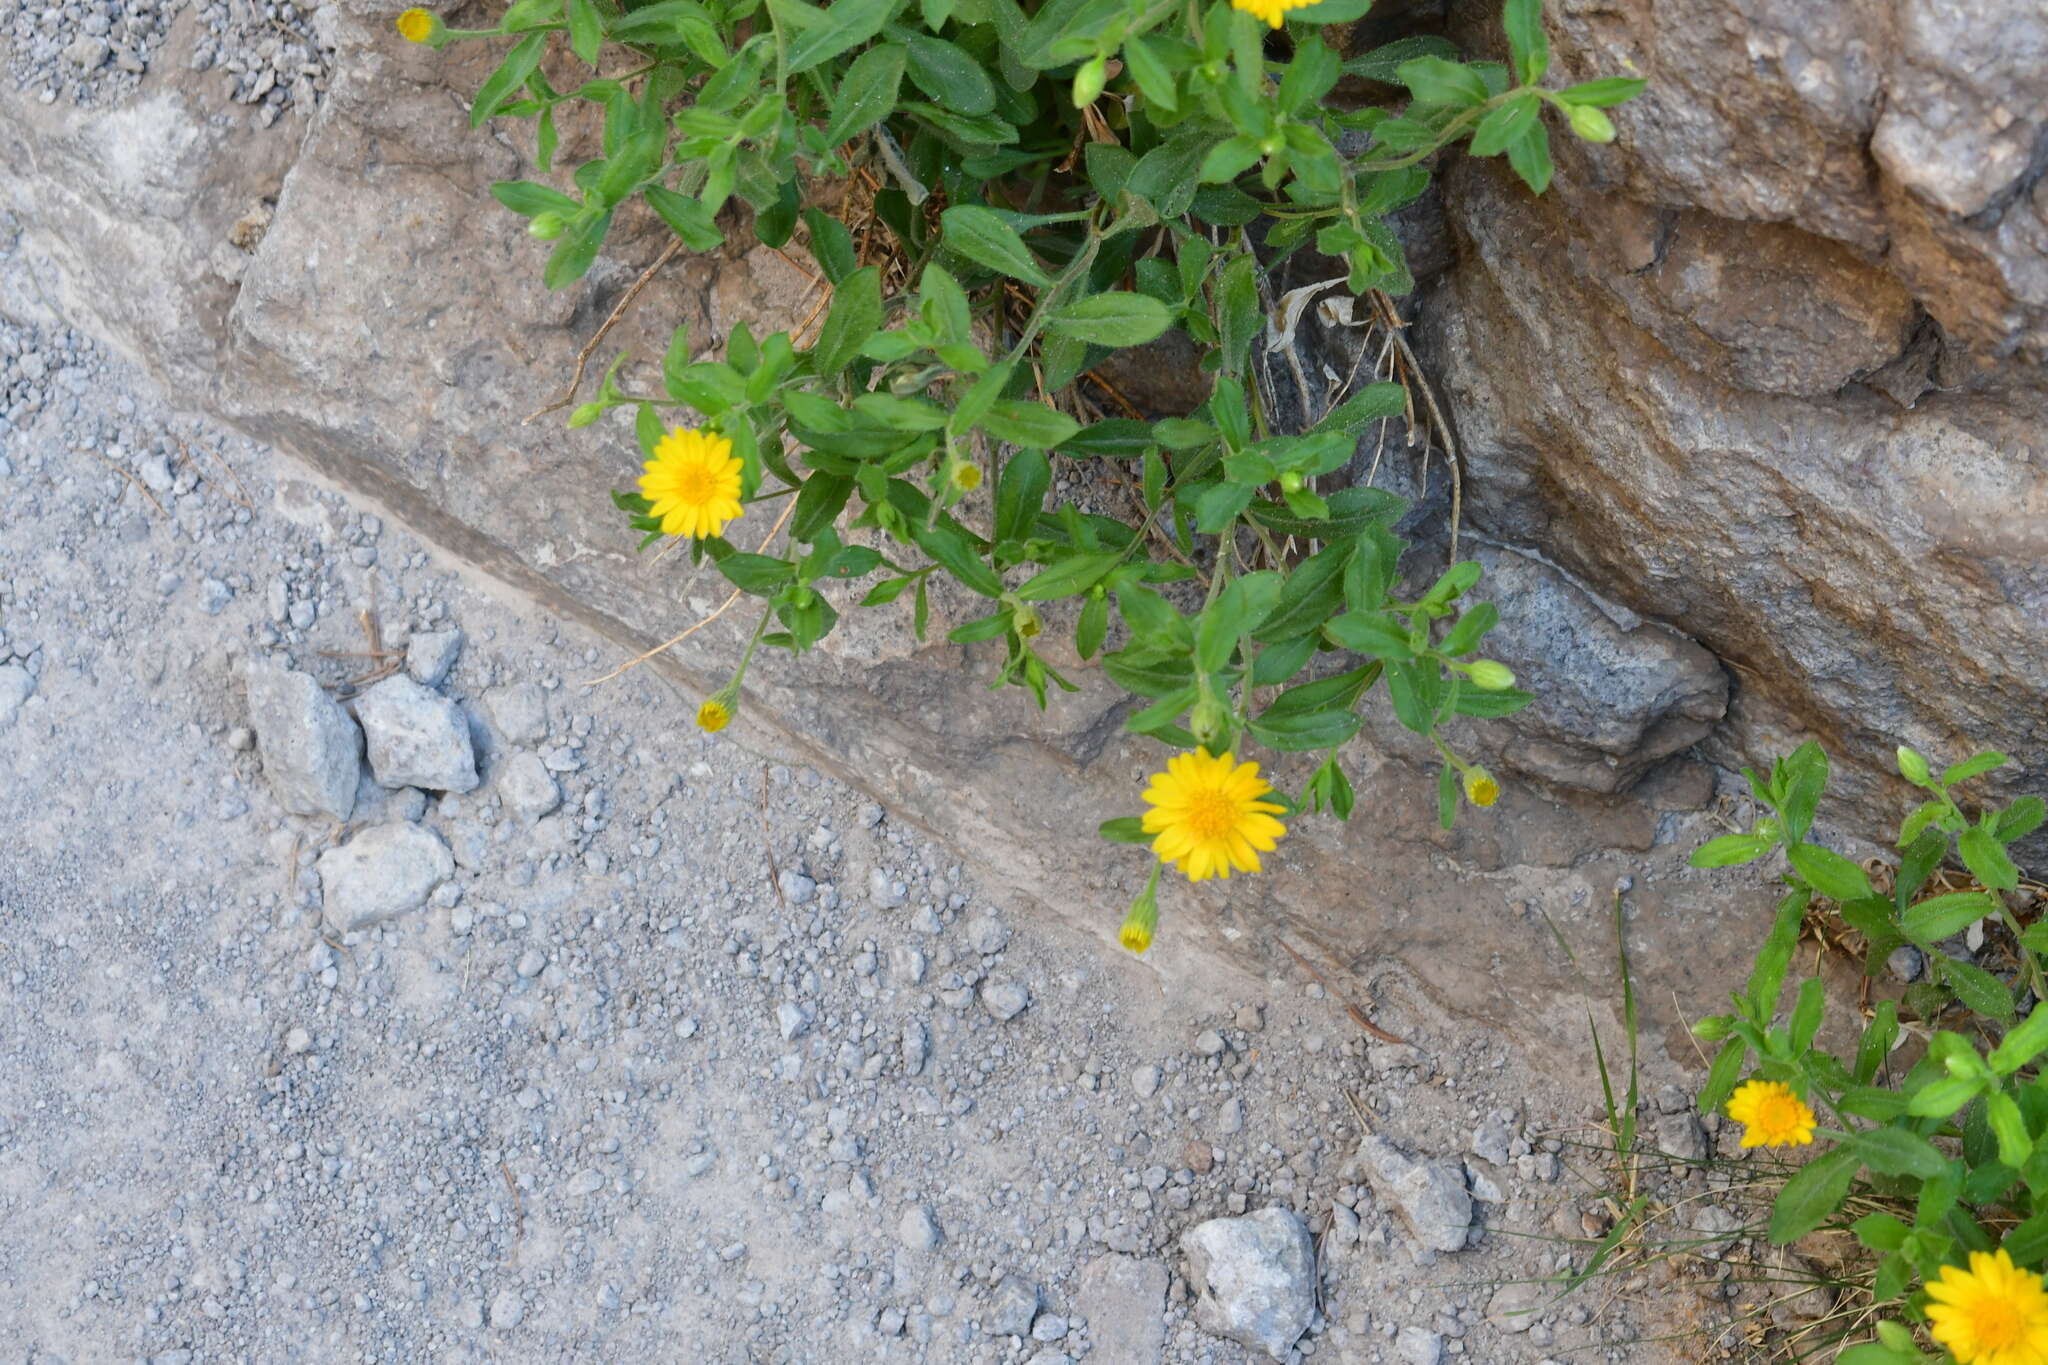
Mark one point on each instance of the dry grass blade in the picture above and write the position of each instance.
(133, 482)
(1357, 1014)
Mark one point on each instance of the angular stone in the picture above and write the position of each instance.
(528, 787)
(311, 750)
(520, 712)
(430, 654)
(1429, 1196)
(1004, 999)
(1011, 1307)
(1255, 1276)
(383, 872)
(1124, 1300)
(417, 738)
(17, 685)
(917, 1230)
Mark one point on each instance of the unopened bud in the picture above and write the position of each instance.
(585, 414)
(1490, 675)
(546, 226)
(1590, 123)
(1089, 80)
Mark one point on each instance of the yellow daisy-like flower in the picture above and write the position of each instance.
(1480, 787)
(1207, 816)
(1994, 1313)
(965, 476)
(1270, 10)
(1772, 1116)
(416, 25)
(713, 717)
(693, 481)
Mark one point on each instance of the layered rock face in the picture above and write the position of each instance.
(1769, 368)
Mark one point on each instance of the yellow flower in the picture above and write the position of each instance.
(1772, 1116)
(1270, 10)
(965, 476)
(1480, 788)
(417, 25)
(1207, 815)
(1994, 1313)
(693, 481)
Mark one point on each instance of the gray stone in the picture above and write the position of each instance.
(987, 934)
(1255, 1276)
(918, 1230)
(430, 654)
(1145, 1080)
(1680, 1135)
(17, 685)
(310, 748)
(528, 787)
(87, 53)
(508, 1310)
(385, 871)
(1011, 1307)
(1905, 963)
(792, 1020)
(1419, 1346)
(1490, 1141)
(1124, 1300)
(416, 738)
(1003, 998)
(520, 711)
(1429, 1196)
(1514, 1307)
(1209, 1043)
(1049, 1327)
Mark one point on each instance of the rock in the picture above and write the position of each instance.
(1904, 964)
(1011, 1308)
(17, 685)
(430, 654)
(528, 787)
(1004, 999)
(1514, 1307)
(520, 711)
(1490, 1141)
(918, 1230)
(1717, 1228)
(916, 1046)
(987, 935)
(1344, 1225)
(416, 738)
(1209, 1043)
(508, 1310)
(87, 53)
(1124, 1300)
(384, 871)
(1429, 1196)
(1419, 1346)
(1145, 1081)
(1681, 1136)
(310, 748)
(1049, 1327)
(792, 1020)
(1255, 1276)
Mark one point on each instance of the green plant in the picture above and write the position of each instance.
(1050, 182)
(1950, 1157)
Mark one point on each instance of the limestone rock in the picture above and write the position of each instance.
(528, 787)
(383, 872)
(17, 685)
(311, 750)
(1256, 1278)
(520, 712)
(1429, 1196)
(430, 654)
(417, 738)
(1011, 1308)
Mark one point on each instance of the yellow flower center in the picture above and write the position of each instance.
(713, 716)
(1997, 1324)
(416, 25)
(1778, 1112)
(1212, 814)
(696, 484)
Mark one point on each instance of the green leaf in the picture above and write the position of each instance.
(1806, 1013)
(1880, 1231)
(1373, 633)
(1490, 705)
(1895, 1151)
(586, 30)
(1767, 976)
(1829, 872)
(867, 92)
(952, 549)
(1813, 1194)
(2020, 819)
(984, 238)
(856, 313)
(1020, 494)
(1988, 761)
(1121, 438)
(818, 505)
(1112, 319)
(946, 73)
(1505, 124)
(526, 198)
(1155, 80)
(2027, 1244)
(1304, 732)
(521, 62)
(1876, 1043)
(1722, 1075)
(1529, 154)
(1942, 1098)
(1987, 860)
(1125, 829)
(1031, 425)
(577, 248)
(759, 575)
(1937, 917)
(1229, 159)
(1978, 989)
(831, 245)
(1093, 625)
(2015, 1143)
(1238, 310)
(1527, 46)
(1605, 92)
(688, 218)
(1434, 81)
(1074, 574)
(1471, 628)
(1235, 613)
(1383, 64)
(2021, 1045)
(1731, 850)
(1314, 592)
(844, 26)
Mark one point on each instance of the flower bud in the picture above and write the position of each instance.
(964, 475)
(1480, 788)
(546, 226)
(585, 414)
(1140, 921)
(1089, 80)
(1912, 766)
(420, 26)
(1292, 482)
(719, 708)
(1025, 621)
(1207, 721)
(1590, 123)
(1490, 675)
